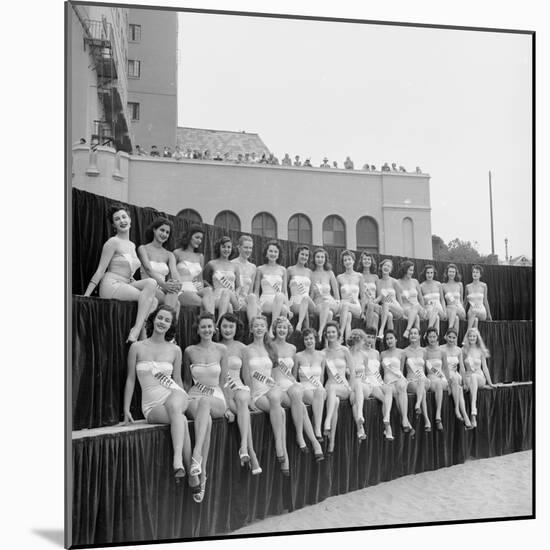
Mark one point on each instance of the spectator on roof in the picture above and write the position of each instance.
(325, 163)
(386, 167)
(348, 164)
(297, 161)
(218, 156)
(154, 151)
(167, 153)
(394, 167)
(307, 163)
(372, 168)
(402, 169)
(366, 167)
(178, 155)
(335, 164)
(287, 161)
(139, 152)
(418, 170)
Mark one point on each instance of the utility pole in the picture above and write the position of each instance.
(491, 206)
(506, 248)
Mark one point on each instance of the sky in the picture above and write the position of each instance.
(456, 103)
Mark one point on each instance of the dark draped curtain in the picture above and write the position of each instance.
(510, 288)
(124, 491)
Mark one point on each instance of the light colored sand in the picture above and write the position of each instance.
(487, 488)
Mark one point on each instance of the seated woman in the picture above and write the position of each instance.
(116, 269)
(237, 394)
(247, 299)
(259, 358)
(393, 377)
(438, 372)
(160, 264)
(309, 369)
(454, 296)
(293, 392)
(337, 361)
(225, 278)
(350, 284)
(270, 284)
(157, 363)
(432, 292)
(205, 364)
(476, 298)
(324, 290)
(454, 364)
(413, 359)
(189, 265)
(299, 282)
(372, 310)
(411, 297)
(382, 391)
(360, 388)
(477, 375)
(388, 292)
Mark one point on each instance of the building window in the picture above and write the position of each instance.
(134, 68)
(367, 234)
(134, 111)
(299, 229)
(190, 214)
(264, 224)
(135, 33)
(407, 227)
(228, 220)
(334, 231)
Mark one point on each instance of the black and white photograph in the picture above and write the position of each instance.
(300, 273)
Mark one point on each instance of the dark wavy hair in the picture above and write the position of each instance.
(479, 268)
(297, 253)
(157, 222)
(389, 331)
(114, 208)
(457, 278)
(331, 324)
(326, 266)
(345, 253)
(372, 268)
(230, 318)
(269, 243)
(426, 267)
(218, 245)
(308, 332)
(171, 332)
(404, 266)
(428, 331)
(186, 237)
(453, 330)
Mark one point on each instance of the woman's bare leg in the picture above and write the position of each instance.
(323, 311)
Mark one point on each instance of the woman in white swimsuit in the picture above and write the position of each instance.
(299, 283)
(270, 284)
(393, 377)
(373, 312)
(293, 392)
(432, 292)
(361, 389)
(247, 299)
(454, 296)
(236, 393)
(157, 364)
(189, 265)
(204, 366)
(456, 374)
(115, 272)
(477, 375)
(309, 369)
(476, 299)
(351, 288)
(411, 297)
(413, 360)
(324, 290)
(259, 358)
(388, 292)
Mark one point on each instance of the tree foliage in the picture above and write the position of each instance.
(459, 251)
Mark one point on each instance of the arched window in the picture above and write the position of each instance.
(264, 224)
(299, 229)
(334, 231)
(228, 220)
(190, 214)
(407, 227)
(367, 234)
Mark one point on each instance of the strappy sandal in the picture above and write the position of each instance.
(195, 469)
(198, 497)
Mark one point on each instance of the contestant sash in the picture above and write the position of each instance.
(336, 375)
(283, 367)
(267, 380)
(204, 389)
(310, 379)
(163, 379)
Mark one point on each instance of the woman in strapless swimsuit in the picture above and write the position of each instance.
(454, 296)
(293, 392)
(309, 369)
(350, 286)
(204, 366)
(476, 299)
(432, 292)
(373, 312)
(393, 376)
(159, 263)
(270, 285)
(411, 297)
(455, 366)
(115, 272)
(157, 364)
(475, 355)
(247, 299)
(236, 393)
(189, 264)
(324, 290)
(388, 292)
(299, 283)
(224, 277)
(438, 371)
(258, 361)
(413, 360)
